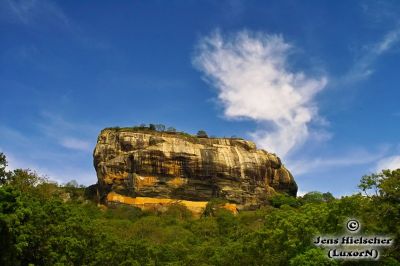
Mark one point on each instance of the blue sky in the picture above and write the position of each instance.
(317, 82)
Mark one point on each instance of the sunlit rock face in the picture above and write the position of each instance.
(160, 165)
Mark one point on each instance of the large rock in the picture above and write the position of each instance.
(132, 163)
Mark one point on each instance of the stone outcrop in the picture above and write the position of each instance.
(147, 168)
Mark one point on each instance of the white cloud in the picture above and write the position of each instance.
(392, 163)
(69, 135)
(59, 173)
(43, 151)
(12, 134)
(301, 193)
(362, 68)
(76, 144)
(33, 12)
(253, 79)
(390, 39)
(360, 157)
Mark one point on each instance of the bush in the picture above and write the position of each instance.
(213, 205)
(202, 134)
(178, 211)
(317, 197)
(312, 257)
(282, 199)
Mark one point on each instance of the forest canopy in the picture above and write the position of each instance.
(45, 223)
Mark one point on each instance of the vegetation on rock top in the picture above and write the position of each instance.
(160, 128)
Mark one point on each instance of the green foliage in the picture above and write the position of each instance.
(227, 222)
(25, 180)
(389, 185)
(317, 197)
(213, 206)
(160, 127)
(370, 182)
(12, 214)
(43, 223)
(312, 257)
(171, 129)
(177, 211)
(283, 199)
(202, 134)
(152, 127)
(4, 174)
(122, 212)
(384, 206)
(90, 193)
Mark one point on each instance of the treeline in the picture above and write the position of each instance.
(163, 128)
(43, 223)
(150, 127)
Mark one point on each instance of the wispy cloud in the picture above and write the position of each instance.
(76, 144)
(364, 65)
(33, 12)
(47, 15)
(12, 134)
(254, 81)
(68, 135)
(391, 162)
(349, 159)
(301, 193)
(380, 13)
(60, 174)
(52, 146)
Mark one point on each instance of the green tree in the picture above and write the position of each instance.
(283, 199)
(389, 185)
(202, 134)
(38, 226)
(370, 182)
(171, 129)
(312, 257)
(13, 213)
(25, 180)
(4, 174)
(152, 127)
(317, 197)
(160, 127)
(384, 206)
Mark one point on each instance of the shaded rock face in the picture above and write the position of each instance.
(178, 166)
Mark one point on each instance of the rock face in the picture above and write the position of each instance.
(139, 166)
